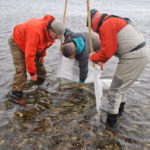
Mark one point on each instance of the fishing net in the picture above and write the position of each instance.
(69, 69)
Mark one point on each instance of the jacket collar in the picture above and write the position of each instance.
(79, 44)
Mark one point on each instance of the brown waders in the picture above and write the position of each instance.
(133, 56)
(20, 76)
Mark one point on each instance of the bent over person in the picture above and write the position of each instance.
(77, 45)
(28, 46)
(119, 37)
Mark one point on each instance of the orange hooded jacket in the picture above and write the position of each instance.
(32, 37)
(108, 36)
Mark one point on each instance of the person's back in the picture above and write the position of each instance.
(21, 31)
(85, 36)
(31, 31)
(128, 39)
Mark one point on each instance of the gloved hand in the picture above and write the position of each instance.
(101, 65)
(41, 60)
(33, 77)
(80, 85)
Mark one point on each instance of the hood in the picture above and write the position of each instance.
(80, 45)
(46, 19)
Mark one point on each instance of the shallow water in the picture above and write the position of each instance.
(59, 116)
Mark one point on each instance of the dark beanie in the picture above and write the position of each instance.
(92, 12)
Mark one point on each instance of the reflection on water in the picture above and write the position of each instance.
(59, 116)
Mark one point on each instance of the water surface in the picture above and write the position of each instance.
(59, 116)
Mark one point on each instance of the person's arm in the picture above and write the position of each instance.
(43, 53)
(83, 70)
(108, 45)
(32, 40)
(96, 42)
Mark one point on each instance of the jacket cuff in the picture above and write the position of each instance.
(32, 74)
(81, 81)
(95, 57)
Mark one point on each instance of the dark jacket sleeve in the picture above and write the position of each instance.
(96, 42)
(83, 66)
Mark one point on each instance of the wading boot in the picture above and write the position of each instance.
(121, 109)
(16, 97)
(111, 120)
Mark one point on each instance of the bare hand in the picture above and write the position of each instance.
(91, 54)
(101, 65)
(33, 77)
(41, 60)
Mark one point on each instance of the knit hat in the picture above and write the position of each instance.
(95, 19)
(58, 28)
(92, 12)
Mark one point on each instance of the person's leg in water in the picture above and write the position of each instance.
(20, 76)
(128, 70)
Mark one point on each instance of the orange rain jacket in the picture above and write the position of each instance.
(32, 37)
(108, 36)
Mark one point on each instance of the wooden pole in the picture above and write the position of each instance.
(89, 26)
(65, 10)
(64, 19)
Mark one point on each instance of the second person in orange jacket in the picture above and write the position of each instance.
(121, 38)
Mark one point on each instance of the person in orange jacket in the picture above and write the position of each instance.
(28, 46)
(121, 38)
